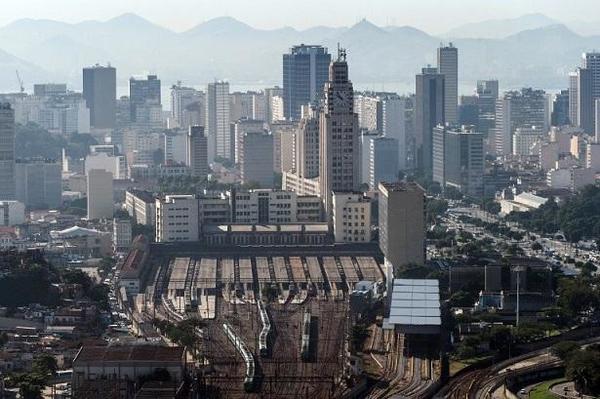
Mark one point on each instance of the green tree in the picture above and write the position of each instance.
(583, 368)
(564, 349)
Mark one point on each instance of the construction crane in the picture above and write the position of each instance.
(21, 86)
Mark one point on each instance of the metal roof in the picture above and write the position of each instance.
(415, 302)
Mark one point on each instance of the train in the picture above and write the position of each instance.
(250, 378)
(263, 337)
(305, 339)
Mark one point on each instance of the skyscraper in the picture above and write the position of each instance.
(304, 74)
(339, 169)
(591, 61)
(464, 161)
(143, 93)
(307, 145)
(383, 161)
(429, 112)
(560, 109)
(7, 152)
(401, 224)
(220, 142)
(585, 100)
(100, 202)
(524, 108)
(100, 93)
(38, 183)
(487, 94)
(197, 152)
(573, 98)
(256, 159)
(447, 65)
(393, 123)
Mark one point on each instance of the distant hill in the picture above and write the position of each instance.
(500, 28)
(531, 50)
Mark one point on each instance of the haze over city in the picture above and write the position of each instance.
(299, 199)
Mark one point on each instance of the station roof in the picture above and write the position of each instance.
(415, 302)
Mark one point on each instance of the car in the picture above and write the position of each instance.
(523, 391)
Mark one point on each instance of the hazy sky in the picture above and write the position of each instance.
(432, 15)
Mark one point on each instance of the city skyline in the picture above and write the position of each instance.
(184, 14)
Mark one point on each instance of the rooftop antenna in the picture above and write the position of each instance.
(21, 86)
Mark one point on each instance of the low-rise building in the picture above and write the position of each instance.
(141, 206)
(258, 234)
(177, 218)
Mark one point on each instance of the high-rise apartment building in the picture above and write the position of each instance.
(100, 202)
(284, 143)
(197, 152)
(339, 169)
(100, 93)
(304, 74)
(218, 129)
(401, 224)
(7, 152)
(39, 183)
(447, 65)
(429, 112)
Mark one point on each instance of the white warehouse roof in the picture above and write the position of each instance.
(415, 302)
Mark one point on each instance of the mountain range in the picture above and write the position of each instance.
(532, 50)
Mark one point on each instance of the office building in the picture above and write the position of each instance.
(573, 98)
(401, 224)
(307, 145)
(141, 206)
(523, 108)
(177, 218)
(100, 202)
(241, 127)
(439, 155)
(39, 183)
(187, 107)
(115, 164)
(597, 118)
(487, 95)
(121, 235)
(351, 217)
(368, 108)
(383, 161)
(273, 207)
(560, 109)
(49, 89)
(218, 129)
(197, 152)
(256, 159)
(174, 144)
(143, 93)
(100, 93)
(305, 71)
(7, 152)
(393, 124)
(447, 65)
(12, 213)
(240, 105)
(525, 139)
(339, 169)
(284, 145)
(429, 112)
(464, 161)
(585, 100)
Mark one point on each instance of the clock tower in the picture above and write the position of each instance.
(338, 135)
